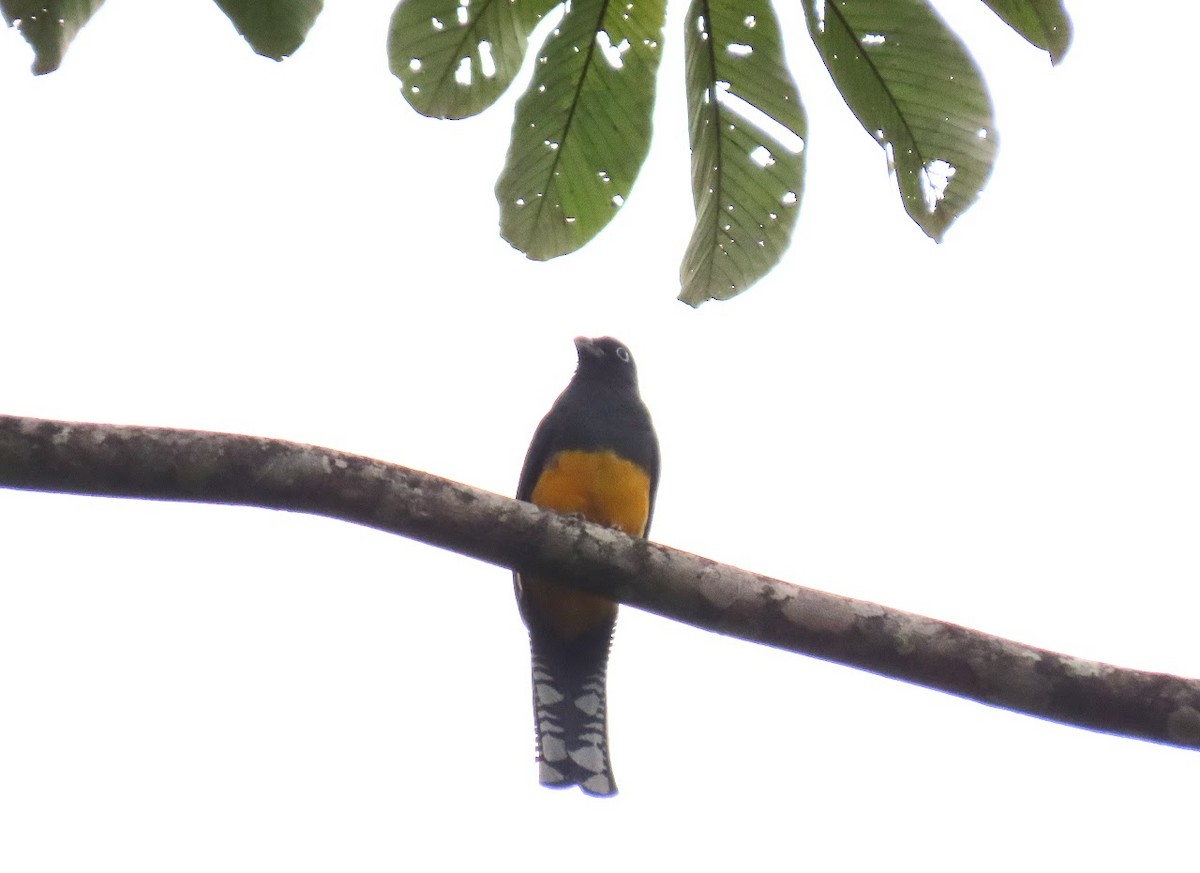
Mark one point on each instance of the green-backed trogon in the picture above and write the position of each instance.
(594, 454)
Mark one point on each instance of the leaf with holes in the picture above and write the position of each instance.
(274, 28)
(48, 26)
(1043, 23)
(747, 129)
(582, 128)
(914, 88)
(456, 57)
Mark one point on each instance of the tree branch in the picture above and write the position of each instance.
(164, 464)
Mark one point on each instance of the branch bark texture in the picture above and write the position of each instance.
(197, 466)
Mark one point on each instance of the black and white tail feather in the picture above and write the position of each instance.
(571, 713)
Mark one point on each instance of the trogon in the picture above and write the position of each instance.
(595, 454)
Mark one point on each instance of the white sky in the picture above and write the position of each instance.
(999, 431)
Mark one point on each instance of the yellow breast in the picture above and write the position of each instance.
(604, 488)
(600, 486)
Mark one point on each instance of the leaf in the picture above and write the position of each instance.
(48, 26)
(456, 57)
(582, 128)
(747, 129)
(274, 28)
(1043, 23)
(913, 87)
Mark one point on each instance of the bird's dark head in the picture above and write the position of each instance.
(605, 358)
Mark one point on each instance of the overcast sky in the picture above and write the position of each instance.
(999, 431)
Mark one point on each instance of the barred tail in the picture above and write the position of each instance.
(570, 712)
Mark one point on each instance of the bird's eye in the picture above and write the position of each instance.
(623, 353)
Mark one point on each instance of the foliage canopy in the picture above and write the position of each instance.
(582, 127)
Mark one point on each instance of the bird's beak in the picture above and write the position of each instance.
(584, 345)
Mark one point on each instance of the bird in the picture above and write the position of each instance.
(595, 454)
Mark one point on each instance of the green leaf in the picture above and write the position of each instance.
(914, 88)
(456, 57)
(1044, 23)
(274, 28)
(48, 26)
(747, 129)
(582, 128)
